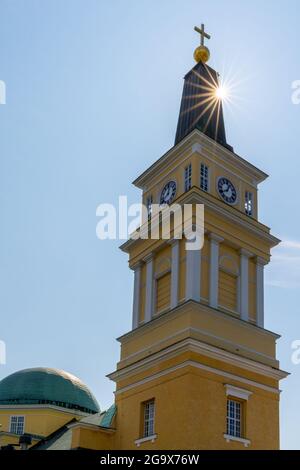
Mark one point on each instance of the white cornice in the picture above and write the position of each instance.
(228, 213)
(192, 345)
(94, 427)
(196, 137)
(264, 358)
(181, 309)
(237, 392)
(200, 366)
(234, 215)
(43, 407)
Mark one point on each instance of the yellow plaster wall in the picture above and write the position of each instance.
(92, 439)
(212, 327)
(37, 421)
(197, 419)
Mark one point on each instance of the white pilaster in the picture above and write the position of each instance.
(149, 288)
(193, 275)
(215, 241)
(244, 284)
(136, 295)
(174, 273)
(260, 264)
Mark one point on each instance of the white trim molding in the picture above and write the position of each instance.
(42, 407)
(194, 345)
(197, 365)
(204, 145)
(152, 438)
(229, 438)
(237, 392)
(93, 427)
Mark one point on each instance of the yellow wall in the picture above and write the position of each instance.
(92, 439)
(39, 421)
(191, 413)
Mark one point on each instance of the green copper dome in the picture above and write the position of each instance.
(45, 386)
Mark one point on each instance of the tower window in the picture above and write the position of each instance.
(188, 177)
(149, 412)
(149, 206)
(204, 177)
(248, 203)
(234, 418)
(17, 424)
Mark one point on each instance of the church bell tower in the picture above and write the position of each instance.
(199, 370)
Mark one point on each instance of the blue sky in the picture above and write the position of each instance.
(93, 94)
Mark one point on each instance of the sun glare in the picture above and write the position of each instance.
(221, 92)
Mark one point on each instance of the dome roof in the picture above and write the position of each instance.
(43, 385)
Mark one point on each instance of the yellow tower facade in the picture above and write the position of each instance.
(199, 368)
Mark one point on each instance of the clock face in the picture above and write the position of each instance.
(168, 193)
(227, 191)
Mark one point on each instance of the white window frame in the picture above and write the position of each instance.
(148, 418)
(234, 418)
(204, 178)
(16, 424)
(235, 393)
(249, 203)
(188, 177)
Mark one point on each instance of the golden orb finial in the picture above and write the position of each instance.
(202, 53)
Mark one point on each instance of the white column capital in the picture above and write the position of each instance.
(261, 261)
(136, 265)
(173, 241)
(215, 238)
(148, 258)
(246, 253)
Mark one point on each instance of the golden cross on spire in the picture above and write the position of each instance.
(202, 33)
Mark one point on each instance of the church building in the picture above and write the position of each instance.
(198, 370)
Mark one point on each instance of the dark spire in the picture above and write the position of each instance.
(200, 107)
